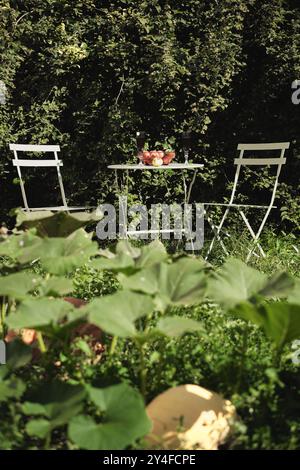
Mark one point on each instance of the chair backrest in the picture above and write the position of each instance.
(54, 162)
(278, 161)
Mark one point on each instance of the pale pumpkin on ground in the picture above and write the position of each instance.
(189, 417)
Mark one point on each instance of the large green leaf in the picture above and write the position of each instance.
(281, 322)
(294, 295)
(40, 312)
(145, 280)
(56, 287)
(18, 354)
(124, 420)
(40, 427)
(62, 255)
(177, 326)
(180, 283)
(184, 282)
(279, 285)
(235, 282)
(116, 262)
(129, 259)
(18, 245)
(124, 246)
(117, 313)
(12, 387)
(30, 251)
(124, 259)
(248, 312)
(55, 224)
(56, 401)
(17, 285)
(151, 253)
(58, 255)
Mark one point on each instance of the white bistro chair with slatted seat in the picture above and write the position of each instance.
(37, 163)
(241, 162)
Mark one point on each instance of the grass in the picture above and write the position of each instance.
(282, 251)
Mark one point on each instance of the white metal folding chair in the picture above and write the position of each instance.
(54, 162)
(245, 162)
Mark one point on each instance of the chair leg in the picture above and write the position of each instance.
(257, 235)
(216, 231)
(252, 251)
(253, 235)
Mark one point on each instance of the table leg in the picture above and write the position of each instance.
(187, 197)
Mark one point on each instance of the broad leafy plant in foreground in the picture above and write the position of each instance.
(271, 303)
(37, 274)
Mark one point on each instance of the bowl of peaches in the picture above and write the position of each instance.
(156, 157)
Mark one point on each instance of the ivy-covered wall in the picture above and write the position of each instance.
(88, 74)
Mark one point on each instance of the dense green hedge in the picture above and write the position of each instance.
(88, 74)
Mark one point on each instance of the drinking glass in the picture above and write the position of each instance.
(186, 143)
(140, 142)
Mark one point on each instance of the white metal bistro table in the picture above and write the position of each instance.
(172, 166)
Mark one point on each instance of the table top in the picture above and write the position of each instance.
(171, 166)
